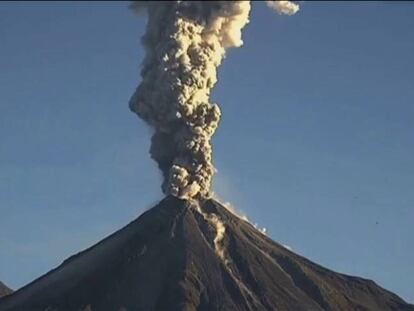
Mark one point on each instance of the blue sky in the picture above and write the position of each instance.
(315, 142)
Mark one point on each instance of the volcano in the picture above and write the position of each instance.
(168, 259)
(4, 290)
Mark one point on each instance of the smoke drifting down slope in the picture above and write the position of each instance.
(185, 42)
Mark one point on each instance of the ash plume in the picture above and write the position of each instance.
(185, 42)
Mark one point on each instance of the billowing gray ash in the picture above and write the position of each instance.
(185, 42)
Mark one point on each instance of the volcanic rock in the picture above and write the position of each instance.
(4, 290)
(168, 259)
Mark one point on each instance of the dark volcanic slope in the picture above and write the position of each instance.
(4, 290)
(166, 260)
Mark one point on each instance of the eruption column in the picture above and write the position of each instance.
(185, 42)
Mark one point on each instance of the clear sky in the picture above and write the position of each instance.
(315, 144)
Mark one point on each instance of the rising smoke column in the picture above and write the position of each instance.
(185, 42)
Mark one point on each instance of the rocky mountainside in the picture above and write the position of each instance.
(180, 257)
(4, 290)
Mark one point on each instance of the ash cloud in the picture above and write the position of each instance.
(185, 42)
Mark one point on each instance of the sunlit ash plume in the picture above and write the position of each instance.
(185, 42)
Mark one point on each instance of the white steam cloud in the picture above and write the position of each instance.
(284, 7)
(230, 207)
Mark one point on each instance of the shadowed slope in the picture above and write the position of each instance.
(4, 290)
(167, 259)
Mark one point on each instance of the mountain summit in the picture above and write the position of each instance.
(181, 257)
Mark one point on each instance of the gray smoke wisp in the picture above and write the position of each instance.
(185, 42)
(220, 227)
